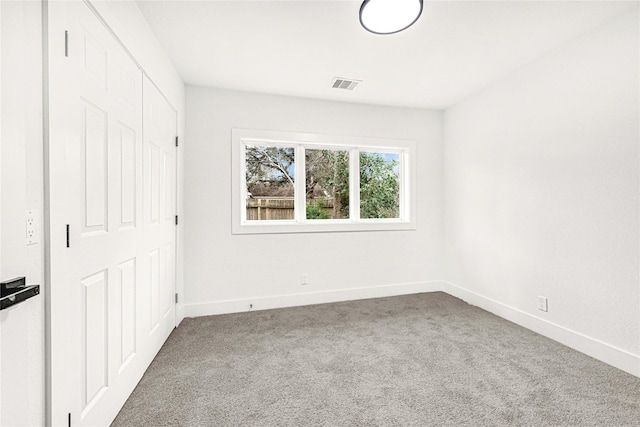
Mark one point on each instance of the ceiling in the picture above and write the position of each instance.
(297, 47)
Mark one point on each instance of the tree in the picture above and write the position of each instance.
(270, 170)
(327, 177)
(316, 209)
(379, 186)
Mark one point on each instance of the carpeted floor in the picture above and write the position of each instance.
(418, 360)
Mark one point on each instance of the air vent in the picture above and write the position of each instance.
(340, 83)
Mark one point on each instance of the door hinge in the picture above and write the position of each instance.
(66, 43)
(176, 141)
(176, 219)
(67, 235)
(176, 298)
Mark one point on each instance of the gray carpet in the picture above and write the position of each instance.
(417, 360)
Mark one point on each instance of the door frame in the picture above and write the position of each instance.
(1, 142)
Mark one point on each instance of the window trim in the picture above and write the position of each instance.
(406, 149)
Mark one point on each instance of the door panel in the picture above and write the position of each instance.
(160, 204)
(154, 273)
(94, 168)
(95, 340)
(127, 176)
(127, 306)
(112, 181)
(154, 183)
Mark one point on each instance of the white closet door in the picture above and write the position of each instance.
(113, 283)
(159, 200)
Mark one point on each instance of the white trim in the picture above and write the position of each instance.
(300, 208)
(593, 347)
(240, 138)
(1, 143)
(354, 184)
(294, 300)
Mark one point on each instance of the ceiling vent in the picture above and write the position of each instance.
(340, 83)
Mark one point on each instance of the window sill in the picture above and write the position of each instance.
(321, 226)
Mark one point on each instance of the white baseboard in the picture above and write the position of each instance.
(179, 314)
(293, 300)
(597, 349)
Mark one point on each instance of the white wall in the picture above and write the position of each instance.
(225, 272)
(21, 326)
(541, 195)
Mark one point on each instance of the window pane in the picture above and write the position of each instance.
(327, 184)
(270, 183)
(379, 185)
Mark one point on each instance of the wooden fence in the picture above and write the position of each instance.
(276, 208)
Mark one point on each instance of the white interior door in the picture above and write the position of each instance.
(112, 219)
(159, 134)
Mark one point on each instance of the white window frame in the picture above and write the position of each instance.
(240, 138)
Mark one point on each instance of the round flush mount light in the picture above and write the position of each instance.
(389, 16)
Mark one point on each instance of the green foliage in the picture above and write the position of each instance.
(316, 210)
(328, 171)
(379, 187)
(327, 177)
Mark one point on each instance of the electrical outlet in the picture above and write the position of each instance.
(31, 228)
(304, 280)
(543, 304)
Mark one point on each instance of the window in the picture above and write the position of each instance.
(326, 184)
(270, 182)
(379, 185)
(288, 182)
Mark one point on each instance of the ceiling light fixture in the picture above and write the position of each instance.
(389, 16)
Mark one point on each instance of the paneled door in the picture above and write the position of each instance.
(112, 201)
(159, 196)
